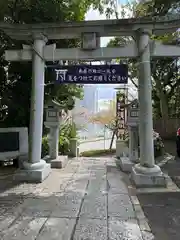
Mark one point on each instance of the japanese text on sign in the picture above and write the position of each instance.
(92, 74)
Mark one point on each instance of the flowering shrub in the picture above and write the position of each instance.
(158, 144)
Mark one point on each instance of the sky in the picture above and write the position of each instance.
(95, 15)
(106, 92)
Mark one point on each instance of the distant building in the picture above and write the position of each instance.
(90, 98)
(90, 103)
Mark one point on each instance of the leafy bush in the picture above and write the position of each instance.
(73, 131)
(45, 146)
(67, 131)
(64, 138)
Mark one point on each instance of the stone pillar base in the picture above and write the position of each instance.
(120, 147)
(125, 164)
(148, 177)
(60, 162)
(73, 147)
(34, 173)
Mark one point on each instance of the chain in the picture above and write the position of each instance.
(39, 55)
(140, 52)
(144, 49)
(33, 49)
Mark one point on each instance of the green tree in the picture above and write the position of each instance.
(157, 8)
(16, 86)
(164, 70)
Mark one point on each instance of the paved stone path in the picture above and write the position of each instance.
(87, 200)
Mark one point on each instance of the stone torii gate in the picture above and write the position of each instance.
(90, 32)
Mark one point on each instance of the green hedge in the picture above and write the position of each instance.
(45, 147)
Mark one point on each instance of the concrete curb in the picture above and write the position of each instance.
(139, 213)
(60, 162)
(141, 218)
(167, 157)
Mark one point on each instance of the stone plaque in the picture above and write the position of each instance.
(52, 113)
(133, 113)
(9, 141)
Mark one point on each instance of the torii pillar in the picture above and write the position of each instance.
(36, 169)
(146, 173)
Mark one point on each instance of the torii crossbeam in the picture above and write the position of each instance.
(143, 48)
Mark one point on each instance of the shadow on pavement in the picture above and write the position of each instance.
(24, 216)
(163, 213)
(170, 146)
(173, 170)
(6, 178)
(172, 167)
(163, 209)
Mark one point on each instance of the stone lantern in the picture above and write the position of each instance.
(126, 163)
(54, 117)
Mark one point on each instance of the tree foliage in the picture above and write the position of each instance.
(165, 71)
(157, 8)
(16, 85)
(107, 117)
(165, 77)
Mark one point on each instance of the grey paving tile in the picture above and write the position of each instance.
(55, 206)
(57, 229)
(10, 200)
(9, 215)
(77, 186)
(6, 220)
(23, 228)
(68, 205)
(97, 186)
(39, 207)
(90, 229)
(94, 207)
(98, 173)
(80, 175)
(119, 205)
(124, 229)
(147, 235)
(116, 183)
